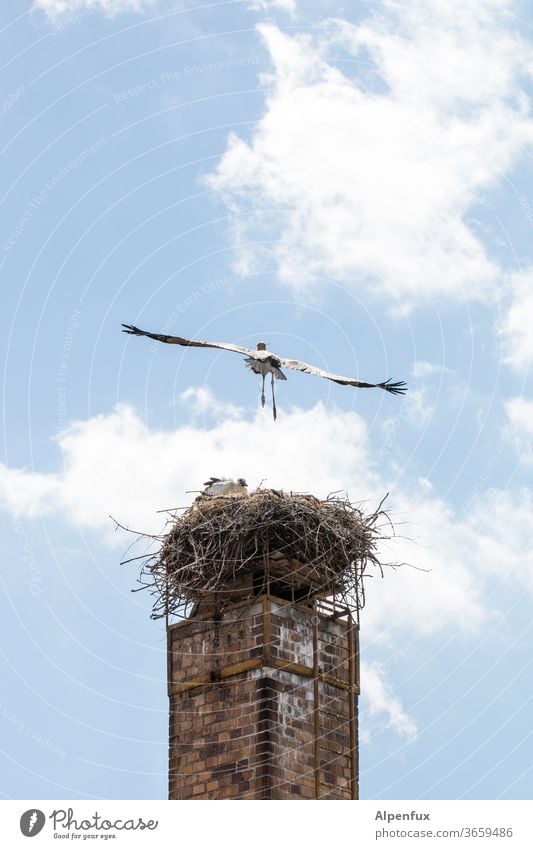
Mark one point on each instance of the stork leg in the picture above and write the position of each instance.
(263, 392)
(274, 411)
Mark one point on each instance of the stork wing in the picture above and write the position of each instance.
(188, 343)
(397, 388)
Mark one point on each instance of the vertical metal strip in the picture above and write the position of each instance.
(354, 753)
(316, 692)
(170, 710)
(358, 691)
(169, 661)
(266, 705)
(267, 637)
(169, 639)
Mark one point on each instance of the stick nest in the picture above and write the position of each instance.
(225, 548)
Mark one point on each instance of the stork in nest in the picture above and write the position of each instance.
(225, 486)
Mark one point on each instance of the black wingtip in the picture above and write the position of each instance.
(397, 388)
(130, 328)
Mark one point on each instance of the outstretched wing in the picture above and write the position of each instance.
(397, 388)
(188, 343)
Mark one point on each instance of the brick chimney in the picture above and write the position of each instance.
(263, 701)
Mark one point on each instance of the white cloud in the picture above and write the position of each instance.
(520, 428)
(273, 5)
(58, 8)
(116, 464)
(370, 179)
(516, 328)
(24, 493)
(500, 532)
(203, 403)
(422, 369)
(449, 594)
(383, 701)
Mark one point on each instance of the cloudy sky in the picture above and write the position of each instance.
(352, 183)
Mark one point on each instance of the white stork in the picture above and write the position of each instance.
(264, 362)
(225, 486)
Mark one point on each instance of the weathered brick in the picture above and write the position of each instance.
(252, 735)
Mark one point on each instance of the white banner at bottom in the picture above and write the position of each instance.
(384, 824)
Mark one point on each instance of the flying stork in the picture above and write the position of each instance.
(264, 362)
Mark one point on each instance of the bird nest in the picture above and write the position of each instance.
(224, 549)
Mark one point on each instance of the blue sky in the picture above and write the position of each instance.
(351, 183)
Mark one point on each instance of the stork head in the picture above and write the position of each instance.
(261, 346)
(241, 482)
